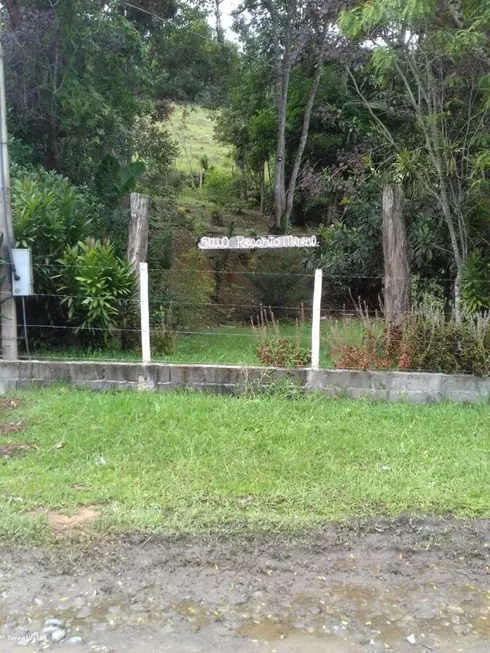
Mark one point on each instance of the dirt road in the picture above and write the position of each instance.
(379, 586)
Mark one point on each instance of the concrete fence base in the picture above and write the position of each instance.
(413, 387)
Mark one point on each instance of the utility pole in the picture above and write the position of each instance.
(8, 308)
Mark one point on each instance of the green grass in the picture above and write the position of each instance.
(185, 462)
(226, 345)
(194, 135)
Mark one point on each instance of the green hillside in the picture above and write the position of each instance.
(193, 129)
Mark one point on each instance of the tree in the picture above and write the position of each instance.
(302, 36)
(249, 124)
(216, 9)
(78, 82)
(194, 63)
(435, 57)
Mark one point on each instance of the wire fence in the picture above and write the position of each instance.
(217, 317)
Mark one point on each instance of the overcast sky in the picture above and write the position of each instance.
(227, 7)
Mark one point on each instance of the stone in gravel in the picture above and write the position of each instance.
(58, 635)
(454, 609)
(84, 612)
(411, 640)
(75, 640)
(338, 629)
(54, 622)
(166, 630)
(461, 630)
(234, 599)
(47, 630)
(24, 642)
(232, 624)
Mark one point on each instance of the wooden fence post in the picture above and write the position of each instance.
(138, 230)
(396, 260)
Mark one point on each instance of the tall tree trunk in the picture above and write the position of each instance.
(219, 27)
(302, 142)
(262, 187)
(279, 187)
(138, 230)
(457, 295)
(459, 245)
(51, 156)
(243, 182)
(13, 10)
(396, 258)
(434, 140)
(283, 71)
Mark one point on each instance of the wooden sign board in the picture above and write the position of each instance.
(261, 242)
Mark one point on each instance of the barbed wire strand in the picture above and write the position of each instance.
(251, 273)
(170, 360)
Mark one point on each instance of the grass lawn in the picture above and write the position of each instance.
(188, 462)
(226, 345)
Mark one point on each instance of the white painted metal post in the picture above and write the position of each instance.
(315, 320)
(145, 314)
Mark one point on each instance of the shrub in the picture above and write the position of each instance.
(188, 288)
(97, 286)
(48, 214)
(281, 352)
(280, 281)
(475, 285)
(275, 350)
(162, 336)
(432, 343)
(221, 188)
(176, 182)
(426, 341)
(160, 248)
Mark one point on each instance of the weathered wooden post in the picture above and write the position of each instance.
(138, 230)
(137, 251)
(396, 257)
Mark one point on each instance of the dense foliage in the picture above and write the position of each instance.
(322, 103)
(427, 341)
(82, 287)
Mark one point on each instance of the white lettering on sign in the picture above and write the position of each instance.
(265, 242)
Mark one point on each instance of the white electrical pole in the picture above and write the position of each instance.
(8, 308)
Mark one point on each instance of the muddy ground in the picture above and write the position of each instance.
(384, 585)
